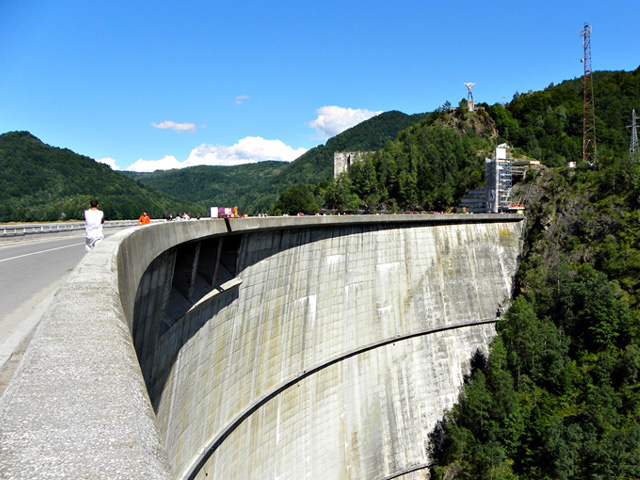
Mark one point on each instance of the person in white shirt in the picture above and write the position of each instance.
(94, 219)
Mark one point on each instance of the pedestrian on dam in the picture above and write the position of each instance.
(144, 219)
(93, 218)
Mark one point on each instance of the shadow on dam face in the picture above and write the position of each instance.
(255, 314)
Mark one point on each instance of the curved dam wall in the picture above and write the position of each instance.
(325, 351)
(323, 347)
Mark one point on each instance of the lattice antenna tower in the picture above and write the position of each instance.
(633, 147)
(589, 150)
(470, 95)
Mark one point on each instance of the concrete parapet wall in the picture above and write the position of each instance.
(327, 347)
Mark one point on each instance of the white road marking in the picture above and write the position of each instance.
(41, 251)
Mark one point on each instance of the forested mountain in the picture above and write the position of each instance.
(316, 165)
(429, 166)
(43, 183)
(255, 187)
(242, 185)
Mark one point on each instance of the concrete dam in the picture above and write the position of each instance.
(301, 347)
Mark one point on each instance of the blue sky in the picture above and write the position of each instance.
(146, 85)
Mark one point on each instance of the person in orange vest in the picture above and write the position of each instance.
(144, 219)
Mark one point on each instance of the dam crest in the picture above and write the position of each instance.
(316, 347)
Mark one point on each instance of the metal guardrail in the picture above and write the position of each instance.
(34, 229)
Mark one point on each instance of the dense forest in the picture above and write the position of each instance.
(428, 166)
(548, 124)
(217, 186)
(42, 183)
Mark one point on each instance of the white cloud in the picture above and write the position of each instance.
(333, 120)
(176, 127)
(166, 163)
(109, 161)
(247, 150)
(240, 99)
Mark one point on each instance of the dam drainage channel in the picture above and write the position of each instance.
(203, 456)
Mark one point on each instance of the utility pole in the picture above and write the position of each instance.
(589, 150)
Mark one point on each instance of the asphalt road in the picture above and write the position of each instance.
(28, 268)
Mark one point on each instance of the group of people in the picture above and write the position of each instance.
(185, 216)
(145, 220)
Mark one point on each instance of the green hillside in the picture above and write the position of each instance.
(559, 395)
(431, 164)
(44, 183)
(316, 165)
(254, 187)
(214, 185)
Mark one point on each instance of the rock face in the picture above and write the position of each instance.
(322, 352)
